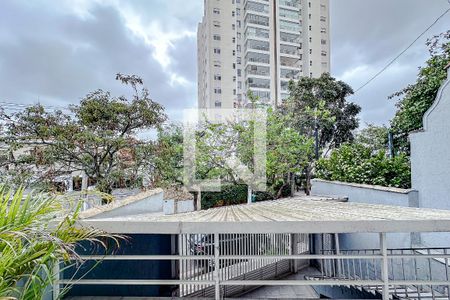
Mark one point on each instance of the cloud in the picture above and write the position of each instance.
(62, 53)
(58, 51)
(366, 35)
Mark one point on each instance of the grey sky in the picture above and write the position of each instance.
(58, 51)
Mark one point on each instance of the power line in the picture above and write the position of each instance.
(403, 52)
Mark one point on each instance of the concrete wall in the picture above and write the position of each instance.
(362, 193)
(430, 156)
(177, 207)
(148, 203)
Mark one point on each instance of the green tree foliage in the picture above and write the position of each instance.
(417, 98)
(36, 234)
(322, 102)
(98, 136)
(360, 164)
(287, 152)
(373, 137)
(167, 156)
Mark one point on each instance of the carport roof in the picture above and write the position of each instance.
(289, 215)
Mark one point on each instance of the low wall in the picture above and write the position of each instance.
(363, 193)
(177, 206)
(142, 203)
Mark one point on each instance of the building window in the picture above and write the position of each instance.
(239, 72)
(216, 24)
(324, 53)
(218, 104)
(217, 64)
(233, 40)
(323, 42)
(323, 30)
(217, 77)
(216, 11)
(323, 19)
(310, 63)
(216, 37)
(218, 91)
(217, 50)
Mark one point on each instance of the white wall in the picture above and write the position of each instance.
(149, 204)
(362, 193)
(430, 158)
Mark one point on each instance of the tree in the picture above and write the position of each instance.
(35, 235)
(359, 164)
(417, 98)
(320, 103)
(96, 137)
(374, 137)
(317, 108)
(167, 156)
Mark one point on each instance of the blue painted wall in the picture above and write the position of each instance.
(137, 244)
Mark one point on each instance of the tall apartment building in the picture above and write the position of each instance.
(259, 45)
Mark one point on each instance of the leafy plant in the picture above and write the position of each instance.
(417, 98)
(97, 137)
(35, 235)
(359, 164)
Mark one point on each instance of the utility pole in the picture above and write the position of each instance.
(391, 144)
(316, 134)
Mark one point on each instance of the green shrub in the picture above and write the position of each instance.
(230, 194)
(359, 164)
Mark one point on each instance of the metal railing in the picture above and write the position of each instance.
(419, 273)
(218, 265)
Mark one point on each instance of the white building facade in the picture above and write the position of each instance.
(259, 45)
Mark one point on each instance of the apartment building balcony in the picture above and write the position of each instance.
(257, 71)
(290, 50)
(291, 38)
(289, 62)
(262, 95)
(256, 7)
(289, 74)
(290, 26)
(291, 4)
(289, 14)
(259, 83)
(256, 20)
(256, 33)
(254, 57)
(257, 45)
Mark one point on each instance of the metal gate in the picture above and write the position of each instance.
(202, 266)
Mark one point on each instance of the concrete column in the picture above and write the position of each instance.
(384, 266)
(216, 266)
(70, 184)
(338, 252)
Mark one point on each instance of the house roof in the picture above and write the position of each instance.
(289, 215)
